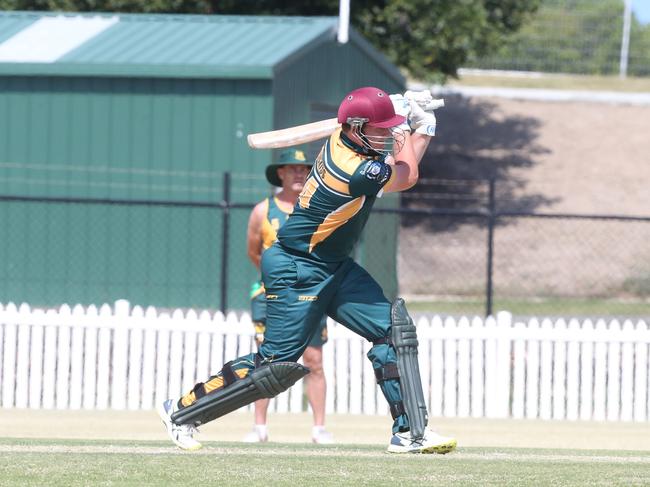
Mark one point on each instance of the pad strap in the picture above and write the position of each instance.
(397, 409)
(259, 360)
(383, 341)
(199, 390)
(265, 382)
(386, 372)
(228, 374)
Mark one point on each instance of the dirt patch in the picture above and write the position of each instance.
(547, 157)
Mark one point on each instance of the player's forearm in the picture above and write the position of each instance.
(255, 255)
(255, 258)
(408, 160)
(420, 143)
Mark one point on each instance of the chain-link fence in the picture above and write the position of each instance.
(461, 250)
(576, 36)
(537, 265)
(171, 251)
(474, 248)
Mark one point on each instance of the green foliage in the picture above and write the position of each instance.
(573, 36)
(431, 39)
(127, 6)
(428, 38)
(638, 286)
(639, 61)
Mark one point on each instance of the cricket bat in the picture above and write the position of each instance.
(297, 135)
(309, 132)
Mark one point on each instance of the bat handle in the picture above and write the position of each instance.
(436, 103)
(430, 105)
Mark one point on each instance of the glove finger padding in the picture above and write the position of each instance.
(421, 121)
(402, 106)
(421, 97)
(425, 100)
(432, 104)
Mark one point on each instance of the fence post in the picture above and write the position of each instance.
(120, 352)
(63, 358)
(503, 365)
(625, 40)
(490, 248)
(225, 242)
(8, 376)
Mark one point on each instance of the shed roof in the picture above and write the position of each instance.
(155, 45)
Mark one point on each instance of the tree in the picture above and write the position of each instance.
(126, 6)
(429, 39)
(573, 36)
(639, 63)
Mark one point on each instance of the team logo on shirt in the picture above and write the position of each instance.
(377, 171)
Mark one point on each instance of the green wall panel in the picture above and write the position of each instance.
(127, 140)
(324, 76)
(123, 138)
(155, 139)
(80, 253)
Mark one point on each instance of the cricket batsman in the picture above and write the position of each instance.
(308, 272)
(289, 175)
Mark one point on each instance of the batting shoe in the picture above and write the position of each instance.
(431, 442)
(259, 434)
(181, 434)
(321, 436)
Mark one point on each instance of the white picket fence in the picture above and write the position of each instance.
(122, 358)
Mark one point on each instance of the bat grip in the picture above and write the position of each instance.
(430, 105)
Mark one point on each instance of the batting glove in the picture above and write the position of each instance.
(424, 99)
(422, 122)
(402, 107)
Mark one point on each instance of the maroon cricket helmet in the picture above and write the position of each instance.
(371, 104)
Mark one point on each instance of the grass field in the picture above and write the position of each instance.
(541, 307)
(558, 82)
(70, 448)
(69, 462)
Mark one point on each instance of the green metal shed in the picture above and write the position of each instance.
(115, 135)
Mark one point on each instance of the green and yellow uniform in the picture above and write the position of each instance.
(308, 271)
(274, 218)
(335, 203)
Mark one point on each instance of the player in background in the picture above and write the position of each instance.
(289, 174)
(308, 272)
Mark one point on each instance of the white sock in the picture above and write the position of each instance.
(317, 430)
(261, 430)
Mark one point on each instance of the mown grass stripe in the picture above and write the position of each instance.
(331, 452)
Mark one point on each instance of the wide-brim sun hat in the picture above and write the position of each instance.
(289, 157)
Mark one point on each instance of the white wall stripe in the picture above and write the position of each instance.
(539, 94)
(51, 38)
